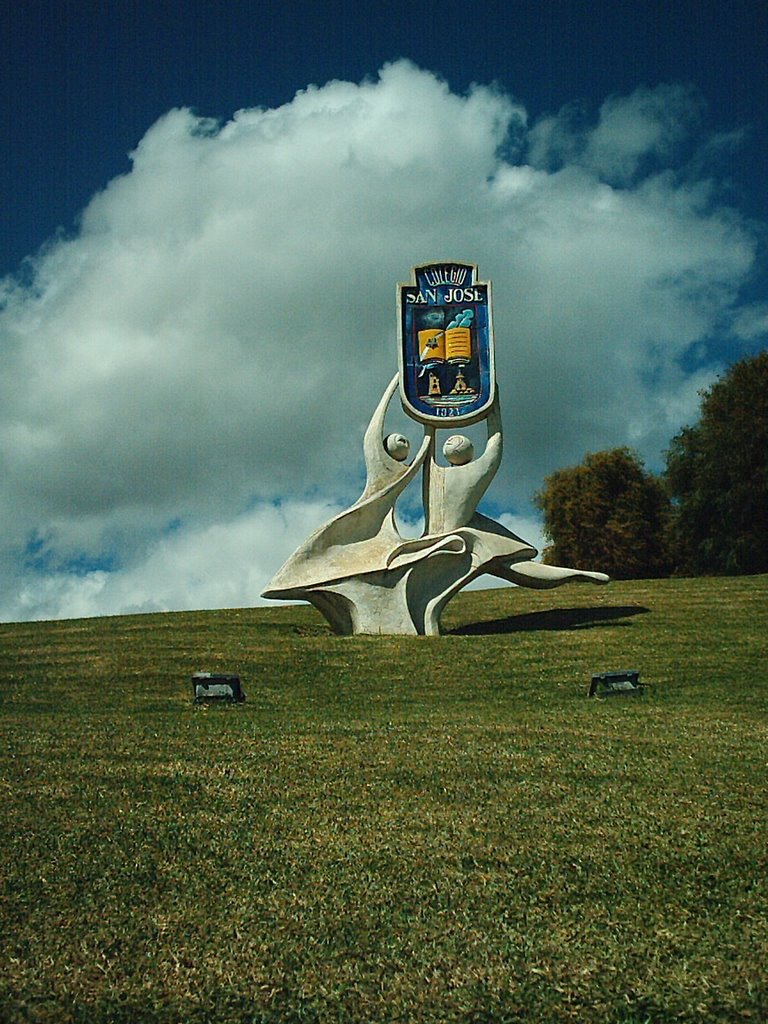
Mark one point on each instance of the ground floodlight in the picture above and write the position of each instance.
(217, 687)
(616, 684)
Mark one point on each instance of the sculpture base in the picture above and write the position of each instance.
(408, 601)
(405, 601)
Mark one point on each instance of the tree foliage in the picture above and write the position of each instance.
(609, 514)
(717, 476)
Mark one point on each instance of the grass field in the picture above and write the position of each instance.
(391, 829)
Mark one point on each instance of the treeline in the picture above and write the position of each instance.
(706, 514)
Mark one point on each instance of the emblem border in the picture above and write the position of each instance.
(456, 419)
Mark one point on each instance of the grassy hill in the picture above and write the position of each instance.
(391, 829)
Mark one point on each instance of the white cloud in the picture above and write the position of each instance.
(631, 133)
(218, 332)
(221, 565)
(751, 324)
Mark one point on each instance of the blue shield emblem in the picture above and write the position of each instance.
(445, 342)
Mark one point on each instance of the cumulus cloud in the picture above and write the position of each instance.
(214, 337)
(652, 128)
(221, 564)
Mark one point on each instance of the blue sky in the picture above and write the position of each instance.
(82, 81)
(206, 208)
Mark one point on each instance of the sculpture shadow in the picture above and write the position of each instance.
(553, 619)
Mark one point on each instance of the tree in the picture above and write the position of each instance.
(717, 476)
(609, 514)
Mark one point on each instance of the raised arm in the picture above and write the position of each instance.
(452, 493)
(495, 444)
(477, 475)
(381, 469)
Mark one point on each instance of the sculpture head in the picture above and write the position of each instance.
(398, 446)
(458, 450)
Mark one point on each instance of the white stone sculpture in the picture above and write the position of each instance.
(364, 577)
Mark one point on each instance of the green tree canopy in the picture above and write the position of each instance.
(717, 476)
(609, 514)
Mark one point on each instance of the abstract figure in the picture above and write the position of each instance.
(364, 577)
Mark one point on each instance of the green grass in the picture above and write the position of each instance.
(391, 829)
